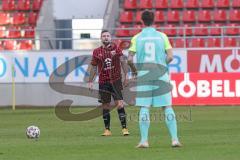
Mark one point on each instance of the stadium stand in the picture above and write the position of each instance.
(203, 23)
(18, 20)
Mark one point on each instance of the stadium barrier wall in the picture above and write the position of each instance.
(199, 77)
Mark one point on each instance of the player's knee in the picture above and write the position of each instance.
(106, 106)
(119, 104)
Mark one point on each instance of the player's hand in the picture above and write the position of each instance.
(90, 86)
(134, 75)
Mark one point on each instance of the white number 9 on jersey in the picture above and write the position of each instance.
(149, 49)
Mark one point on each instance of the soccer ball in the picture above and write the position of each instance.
(33, 132)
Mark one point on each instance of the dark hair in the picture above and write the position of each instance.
(148, 18)
(104, 31)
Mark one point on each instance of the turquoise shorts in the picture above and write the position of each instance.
(152, 98)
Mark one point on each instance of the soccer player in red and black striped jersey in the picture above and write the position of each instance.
(108, 60)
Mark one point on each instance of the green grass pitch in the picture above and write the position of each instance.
(207, 133)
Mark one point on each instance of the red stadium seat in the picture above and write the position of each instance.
(204, 16)
(14, 32)
(159, 16)
(4, 18)
(130, 4)
(236, 3)
(191, 4)
(122, 32)
(36, 5)
(197, 42)
(10, 45)
(126, 16)
(189, 16)
(1, 46)
(29, 32)
(138, 16)
(207, 4)
(32, 18)
(173, 16)
(201, 30)
(176, 4)
(170, 30)
(161, 4)
(23, 5)
(223, 4)
(230, 42)
(215, 29)
(214, 42)
(179, 43)
(18, 18)
(187, 28)
(220, 16)
(136, 29)
(233, 29)
(2, 32)
(8, 5)
(145, 4)
(234, 15)
(25, 45)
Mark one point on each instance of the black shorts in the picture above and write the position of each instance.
(106, 90)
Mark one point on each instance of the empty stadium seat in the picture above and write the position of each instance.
(213, 42)
(230, 42)
(220, 16)
(215, 29)
(14, 32)
(236, 3)
(2, 32)
(122, 31)
(23, 5)
(130, 4)
(10, 45)
(187, 28)
(223, 3)
(8, 5)
(232, 29)
(204, 16)
(179, 43)
(29, 32)
(189, 16)
(173, 16)
(25, 45)
(1, 46)
(136, 29)
(207, 4)
(145, 4)
(32, 18)
(170, 30)
(4, 18)
(36, 5)
(159, 16)
(161, 4)
(234, 15)
(176, 4)
(138, 16)
(201, 30)
(126, 16)
(18, 18)
(191, 4)
(197, 42)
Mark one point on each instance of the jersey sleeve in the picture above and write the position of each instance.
(94, 60)
(166, 42)
(133, 47)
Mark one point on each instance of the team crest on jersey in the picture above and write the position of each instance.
(113, 53)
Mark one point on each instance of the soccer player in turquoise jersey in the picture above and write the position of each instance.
(152, 46)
